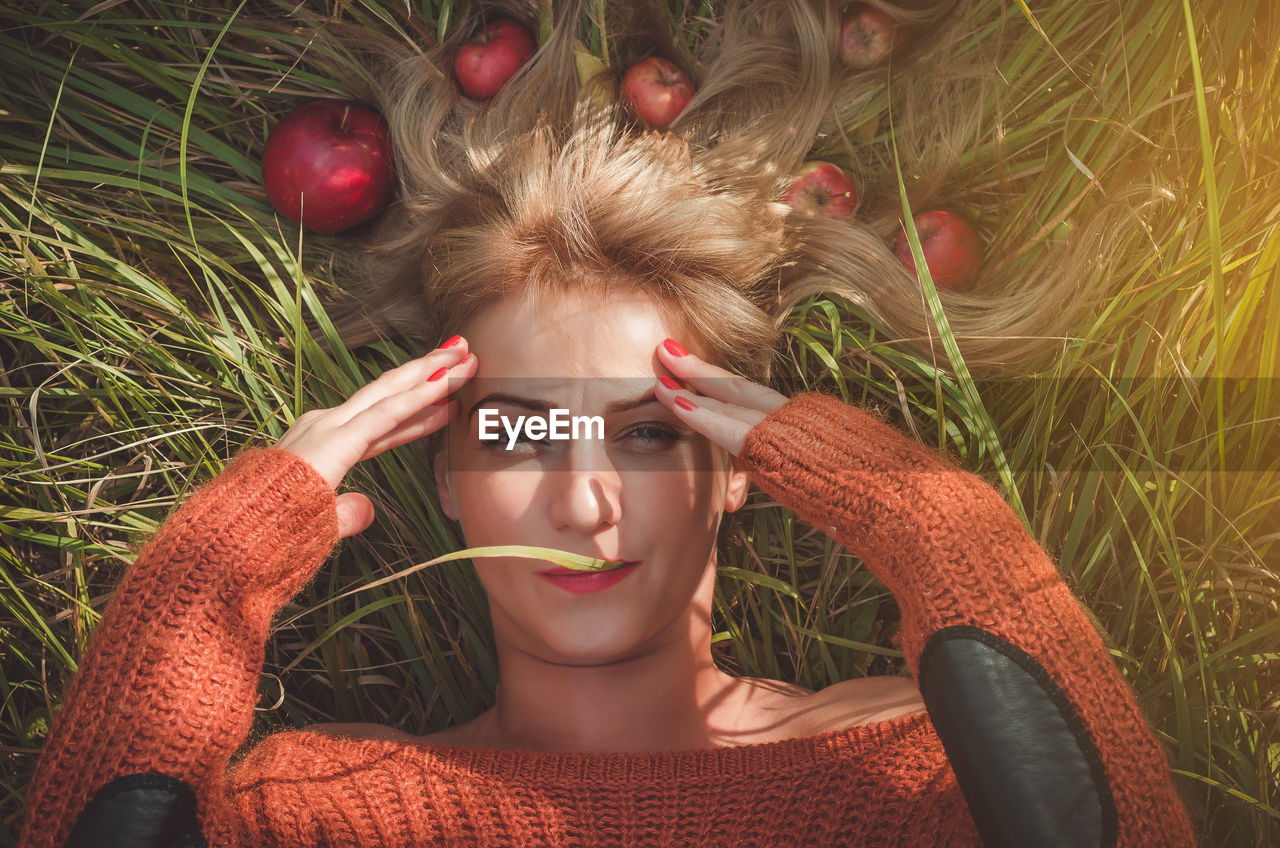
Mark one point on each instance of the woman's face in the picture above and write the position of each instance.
(650, 490)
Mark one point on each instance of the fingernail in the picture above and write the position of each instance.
(453, 340)
(684, 403)
(465, 358)
(673, 347)
(442, 402)
(436, 376)
(669, 383)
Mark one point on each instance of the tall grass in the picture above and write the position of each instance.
(153, 317)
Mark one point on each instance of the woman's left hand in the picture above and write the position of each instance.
(725, 406)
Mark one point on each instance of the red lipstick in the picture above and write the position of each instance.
(586, 581)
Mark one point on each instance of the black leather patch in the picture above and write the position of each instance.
(1028, 769)
(139, 811)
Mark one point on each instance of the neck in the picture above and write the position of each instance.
(668, 695)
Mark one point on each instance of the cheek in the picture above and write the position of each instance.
(491, 505)
(685, 501)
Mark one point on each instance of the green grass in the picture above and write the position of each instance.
(153, 319)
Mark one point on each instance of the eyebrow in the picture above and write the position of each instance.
(537, 405)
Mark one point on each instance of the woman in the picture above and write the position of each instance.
(582, 269)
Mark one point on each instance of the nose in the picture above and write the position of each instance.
(586, 491)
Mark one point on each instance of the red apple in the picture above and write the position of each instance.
(656, 91)
(485, 63)
(329, 165)
(820, 187)
(950, 246)
(869, 35)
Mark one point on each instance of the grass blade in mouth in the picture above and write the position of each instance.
(577, 562)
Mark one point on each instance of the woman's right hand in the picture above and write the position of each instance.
(399, 406)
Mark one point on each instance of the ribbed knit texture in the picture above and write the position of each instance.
(171, 679)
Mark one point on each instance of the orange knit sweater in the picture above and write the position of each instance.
(171, 680)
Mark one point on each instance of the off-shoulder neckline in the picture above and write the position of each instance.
(751, 758)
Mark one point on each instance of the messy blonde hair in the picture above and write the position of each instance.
(550, 186)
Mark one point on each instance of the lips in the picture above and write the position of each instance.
(579, 582)
(561, 571)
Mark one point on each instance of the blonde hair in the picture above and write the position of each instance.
(550, 186)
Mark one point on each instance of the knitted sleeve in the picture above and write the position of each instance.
(166, 691)
(1046, 737)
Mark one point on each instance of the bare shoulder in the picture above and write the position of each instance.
(784, 711)
(863, 700)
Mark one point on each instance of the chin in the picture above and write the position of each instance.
(589, 652)
(585, 645)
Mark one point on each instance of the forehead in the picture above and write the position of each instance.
(572, 337)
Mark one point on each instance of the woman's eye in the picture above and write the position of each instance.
(653, 435)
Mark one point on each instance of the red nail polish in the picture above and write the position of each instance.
(465, 358)
(669, 383)
(437, 375)
(684, 403)
(443, 402)
(453, 340)
(673, 347)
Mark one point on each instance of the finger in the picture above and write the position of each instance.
(715, 382)
(381, 418)
(355, 513)
(424, 423)
(718, 407)
(404, 377)
(724, 424)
